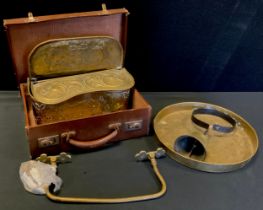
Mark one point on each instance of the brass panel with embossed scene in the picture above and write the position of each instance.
(78, 77)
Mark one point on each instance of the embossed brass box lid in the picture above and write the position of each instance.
(206, 137)
(71, 56)
(63, 68)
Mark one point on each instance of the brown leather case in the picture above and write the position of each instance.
(78, 134)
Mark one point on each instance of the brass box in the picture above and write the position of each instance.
(77, 77)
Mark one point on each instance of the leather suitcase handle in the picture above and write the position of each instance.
(91, 144)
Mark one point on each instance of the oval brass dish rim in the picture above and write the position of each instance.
(200, 163)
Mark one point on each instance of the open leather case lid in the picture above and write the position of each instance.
(24, 34)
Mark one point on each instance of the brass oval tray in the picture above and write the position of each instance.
(218, 150)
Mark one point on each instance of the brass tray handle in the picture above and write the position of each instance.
(91, 144)
(141, 156)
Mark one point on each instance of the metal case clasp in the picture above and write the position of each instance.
(48, 141)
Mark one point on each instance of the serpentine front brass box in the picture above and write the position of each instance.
(76, 91)
(77, 77)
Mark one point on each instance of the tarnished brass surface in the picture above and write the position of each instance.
(79, 77)
(57, 90)
(81, 106)
(72, 56)
(224, 151)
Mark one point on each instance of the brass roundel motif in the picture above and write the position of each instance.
(57, 90)
(114, 80)
(74, 87)
(53, 91)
